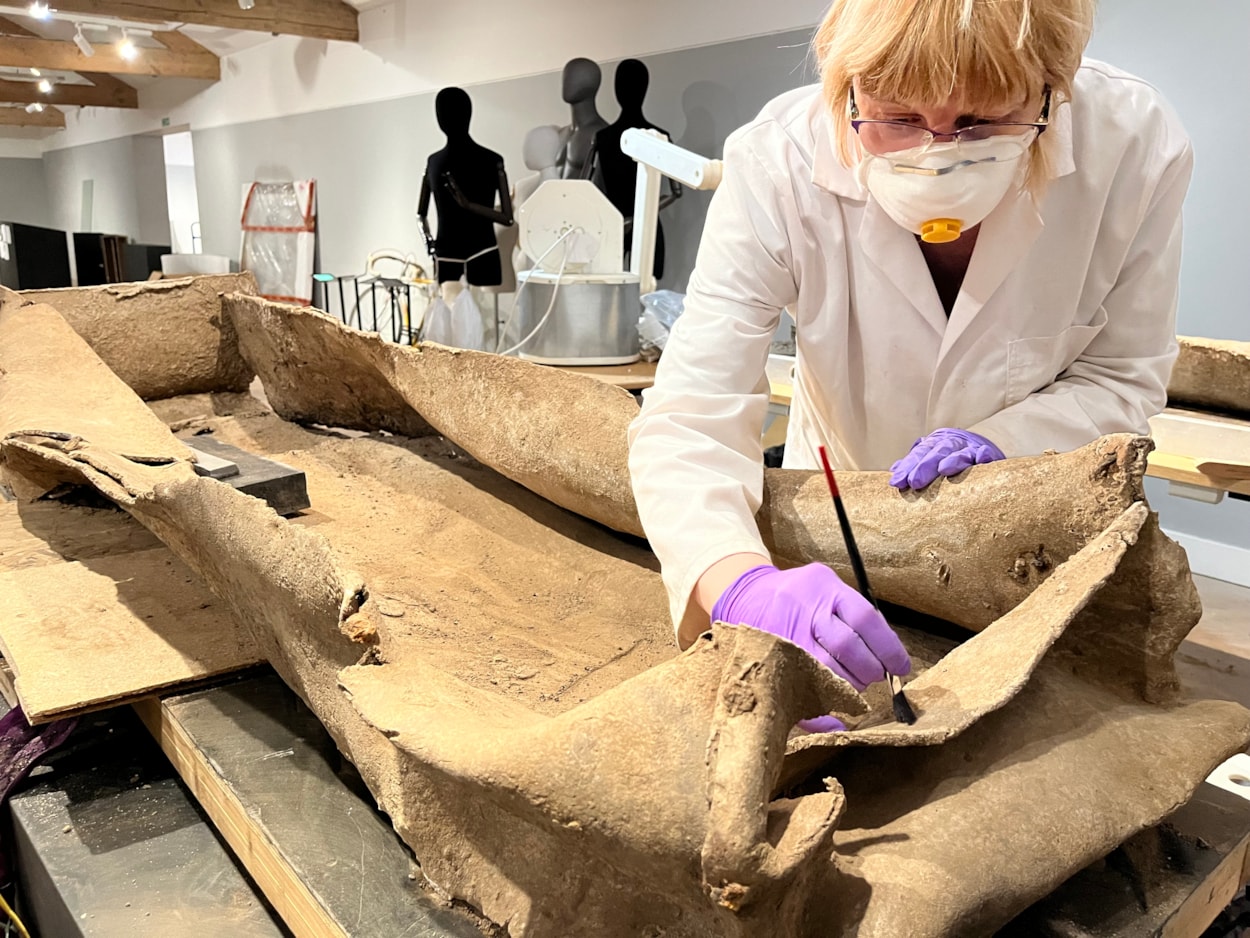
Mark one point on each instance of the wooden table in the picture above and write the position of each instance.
(1229, 473)
(635, 377)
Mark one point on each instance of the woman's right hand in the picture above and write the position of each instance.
(811, 607)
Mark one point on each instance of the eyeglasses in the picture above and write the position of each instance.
(882, 138)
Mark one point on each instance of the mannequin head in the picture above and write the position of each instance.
(581, 80)
(453, 109)
(541, 149)
(632, 79)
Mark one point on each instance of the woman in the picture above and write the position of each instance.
(978, 236)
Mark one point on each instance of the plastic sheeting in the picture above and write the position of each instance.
(279, 238)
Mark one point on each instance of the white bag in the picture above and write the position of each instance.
(458, 325)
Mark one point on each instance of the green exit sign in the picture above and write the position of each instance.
(164, 121)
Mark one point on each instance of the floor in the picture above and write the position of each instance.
(1214, 661)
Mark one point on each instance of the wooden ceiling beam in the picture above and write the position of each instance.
(17, 117)
(315, 19)
(104, 91)
(25, 92)
(191, 60)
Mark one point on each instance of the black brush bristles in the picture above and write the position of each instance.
(903, 712)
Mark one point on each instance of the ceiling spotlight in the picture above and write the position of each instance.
(40, 11)
(84, 46)
(44, 86)
(246, 4)
(36, 72)
(34, 108)
(126, 49)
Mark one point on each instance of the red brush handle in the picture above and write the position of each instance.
(833, 485)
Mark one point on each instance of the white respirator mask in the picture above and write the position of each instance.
(941, 190)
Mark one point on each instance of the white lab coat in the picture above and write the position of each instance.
(1063, 330)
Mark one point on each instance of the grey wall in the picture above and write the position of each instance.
(1195, 53)
(151, 194)
(128, 186)
(23, 193)
(368, 160)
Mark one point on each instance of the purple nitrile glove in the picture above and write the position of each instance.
(814, 609)
(825, 724)
(944, 452)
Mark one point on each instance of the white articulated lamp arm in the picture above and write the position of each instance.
(656, 157)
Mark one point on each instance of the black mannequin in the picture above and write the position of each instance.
(617, 174)
(580, 85)
(465, 179)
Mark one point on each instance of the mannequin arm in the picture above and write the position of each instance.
(423, 209)
(592, 158)
(505, 198)
(500, 218)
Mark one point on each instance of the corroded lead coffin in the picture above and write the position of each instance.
(665, 794)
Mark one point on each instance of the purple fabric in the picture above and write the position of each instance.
(945, 452)
(22, 746)
(814, 609)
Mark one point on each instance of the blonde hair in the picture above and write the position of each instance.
(994, 53)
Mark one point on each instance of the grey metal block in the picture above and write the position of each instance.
(110, 845)
(283, 487)
(274, 756)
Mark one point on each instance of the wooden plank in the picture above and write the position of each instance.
(286, 891)
(315, 19)
(98, 611)
(1204, 904)
(8, 689)
(42, 533)
(17, 117)
(26, 92)
(633, 377)
(1176, 468)
(85, 635)
(160, 62)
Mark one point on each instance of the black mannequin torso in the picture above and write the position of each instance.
(616, 173)
(465, 180)
(580, 85)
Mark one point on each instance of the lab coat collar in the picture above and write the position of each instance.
(829, 173)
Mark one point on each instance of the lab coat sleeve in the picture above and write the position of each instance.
(695, 453)
(1120, 379)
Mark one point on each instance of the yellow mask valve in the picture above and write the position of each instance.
(941, 230)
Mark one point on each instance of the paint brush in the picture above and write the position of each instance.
(903, 712)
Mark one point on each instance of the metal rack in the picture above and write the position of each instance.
(392, 306)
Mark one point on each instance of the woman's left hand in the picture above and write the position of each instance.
(944, 452)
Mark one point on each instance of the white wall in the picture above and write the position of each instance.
(410, 47)
(21, 148)
(23, 193)
(368, 160)
(1196, 53)
(184, 206)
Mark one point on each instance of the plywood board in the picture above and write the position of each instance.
(42, 533)
(96, 615)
